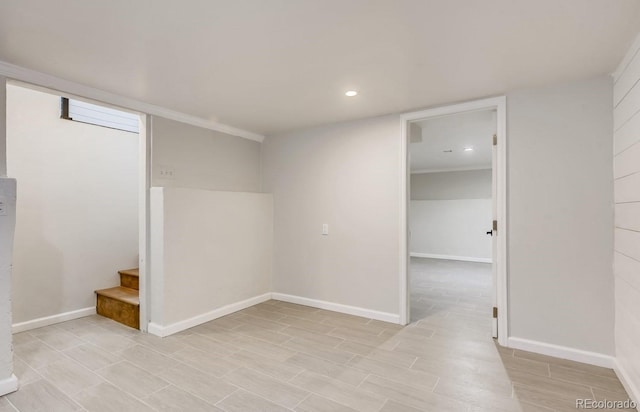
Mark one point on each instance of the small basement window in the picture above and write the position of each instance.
(83, 112)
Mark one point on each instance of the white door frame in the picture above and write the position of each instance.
(500, 105)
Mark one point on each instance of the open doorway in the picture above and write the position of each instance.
(80, 168)
(454, 221)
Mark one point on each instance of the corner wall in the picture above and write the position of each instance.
(347, 176)
(211, 255)
(626, 173)
(211, 232)
(559, 210)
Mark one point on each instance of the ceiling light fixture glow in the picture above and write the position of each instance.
(351, 93)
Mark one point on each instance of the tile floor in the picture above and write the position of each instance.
(278, 356)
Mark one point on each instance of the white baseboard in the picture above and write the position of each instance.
(162, 331)
(52, 320)
(449, 257)
(8, 385)
(629, 385)
(563, 352)
(337, 307)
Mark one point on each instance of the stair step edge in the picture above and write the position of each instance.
(130, 272)
(122, 294)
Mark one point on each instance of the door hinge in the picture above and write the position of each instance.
(495, 226)
(495, 312)
(495, 139)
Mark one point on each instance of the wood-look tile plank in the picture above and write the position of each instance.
(272, 389)
(243, 401)
(549, 384)
(147, 359)
(70, 376)
(175, 399)
(198, 383)
(208, 362)
(278, 369)
(311, 348)
(91, 356)
(339, 392)
(405, 376)
(611, 384)
(322, 367)
(41, 395)
(37, 354)
(278, 352)
(396, 358)
(319, 338)
(108, 398)
(595, 370)
(476, 393)
(411, 396)
(309, 325)
(132, 379)
(317, 403)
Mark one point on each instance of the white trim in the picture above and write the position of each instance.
(453, 169)
(449, 257)
(632, 390)
(52, 320)
(563, 352)
(65, 86)
(8, 385)
(500, 105)
(144, 216)
(338, 307)
(163, 331)
(405, 198)
(628, 57)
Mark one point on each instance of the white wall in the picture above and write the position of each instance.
(469, 184)
(77, 210)
(451, 229)
(345, 175)
(450, 214)
(3, 129)
(8, 381)
(626, 158)
(209, 249)
(560, 215)
(202, 158)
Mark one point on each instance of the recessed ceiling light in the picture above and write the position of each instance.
(351, 93)
(468, 149)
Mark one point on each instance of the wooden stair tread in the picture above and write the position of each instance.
(122, 294)
(130, 272)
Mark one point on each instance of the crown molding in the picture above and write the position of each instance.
(58, 84)
(453, 169)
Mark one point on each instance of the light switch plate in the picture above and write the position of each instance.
(325, 229)
(166, 172)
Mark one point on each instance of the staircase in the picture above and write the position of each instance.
(121, 303)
